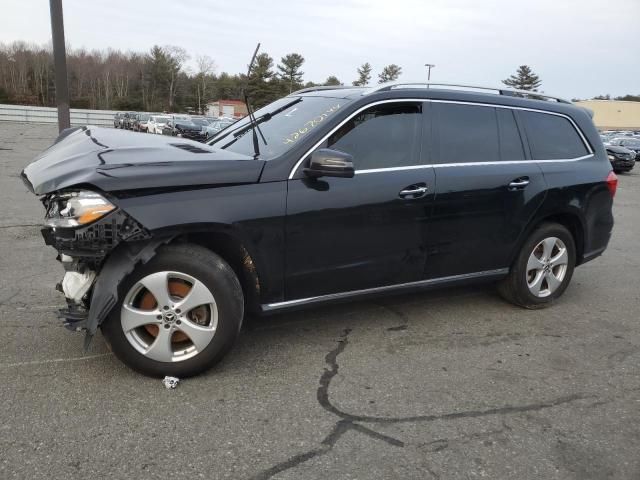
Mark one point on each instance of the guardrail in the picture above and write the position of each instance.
(46, 115)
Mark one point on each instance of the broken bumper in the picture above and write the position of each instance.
(83, 253)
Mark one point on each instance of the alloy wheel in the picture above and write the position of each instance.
(547, 267)
(169, 316)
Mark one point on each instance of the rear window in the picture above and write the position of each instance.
(467, 133)
(552, 137)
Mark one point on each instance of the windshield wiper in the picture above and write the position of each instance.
(256, 121)
(252, 121)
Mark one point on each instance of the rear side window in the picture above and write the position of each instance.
(552, 137)
(383, 136)
(510, 142)
(466, 133)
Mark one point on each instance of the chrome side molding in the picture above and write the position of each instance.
(269, 307)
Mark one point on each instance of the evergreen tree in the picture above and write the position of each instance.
(332, 81)
(262, 88)
(389, 73)
(629, 98)
(289, 71)
(364, 75)
(524, 79)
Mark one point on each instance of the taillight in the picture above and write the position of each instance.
(612, 183)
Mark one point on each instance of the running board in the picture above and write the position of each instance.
(487, 275)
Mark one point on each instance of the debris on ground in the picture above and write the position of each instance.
(170, 382)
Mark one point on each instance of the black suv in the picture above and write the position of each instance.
(342, 193)
(127, 120)
(184, 129)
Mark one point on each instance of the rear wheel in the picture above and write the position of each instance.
(177, 315)
(543, 269)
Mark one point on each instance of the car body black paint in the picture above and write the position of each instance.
(622, 159)
(310, 237)
(110, 160)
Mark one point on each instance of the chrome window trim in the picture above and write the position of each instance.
(354, 293)
(440, 165)
(471, 164)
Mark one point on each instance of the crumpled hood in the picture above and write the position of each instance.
(111, 160)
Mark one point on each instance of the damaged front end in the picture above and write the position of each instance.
(86, 229)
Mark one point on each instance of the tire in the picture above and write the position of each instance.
(136, 341)
(537, 282)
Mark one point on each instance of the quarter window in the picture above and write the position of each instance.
(466, 133)
(552, 137)
(383, 136)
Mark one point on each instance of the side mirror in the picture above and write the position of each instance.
(330, 163)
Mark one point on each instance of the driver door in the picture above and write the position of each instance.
(349, 234)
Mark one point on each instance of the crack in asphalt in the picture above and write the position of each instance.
(350, 422)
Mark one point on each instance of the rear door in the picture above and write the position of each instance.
(487, 189)
(346, 234)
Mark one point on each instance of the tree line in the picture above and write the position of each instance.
(157, 80)
(163, 80)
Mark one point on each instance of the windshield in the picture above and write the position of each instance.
(182, 117)
(200, 121)
(284, 129)
(144, 117)
(161, 119)
(631, 143)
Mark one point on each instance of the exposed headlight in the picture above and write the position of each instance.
(611, 157)
(74, 209)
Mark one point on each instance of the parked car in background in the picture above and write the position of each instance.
(117, 120)
(140, 122)
(202, 122)
(185, 129)
(216, 125)
(630, 143)
(156, 123)
(127, 120)
(622, 159)
(166, 244)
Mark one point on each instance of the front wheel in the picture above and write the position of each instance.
(177, 315)
(543, 269)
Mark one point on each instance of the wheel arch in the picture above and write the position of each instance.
(570, 219)
(236, 252)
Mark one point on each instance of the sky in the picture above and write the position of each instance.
(579, 48)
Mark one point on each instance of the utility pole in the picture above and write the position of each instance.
(429, 67)
(60, 64)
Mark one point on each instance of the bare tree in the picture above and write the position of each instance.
(176, 56)
(206, 68)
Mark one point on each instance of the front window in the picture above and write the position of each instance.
(383, 136)
(297, 118)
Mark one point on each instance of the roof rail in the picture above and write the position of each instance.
(500, 91)
(320, 87)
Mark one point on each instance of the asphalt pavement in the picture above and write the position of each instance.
(450, 384)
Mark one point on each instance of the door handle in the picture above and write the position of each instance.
(519, 183)
(415, 191)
